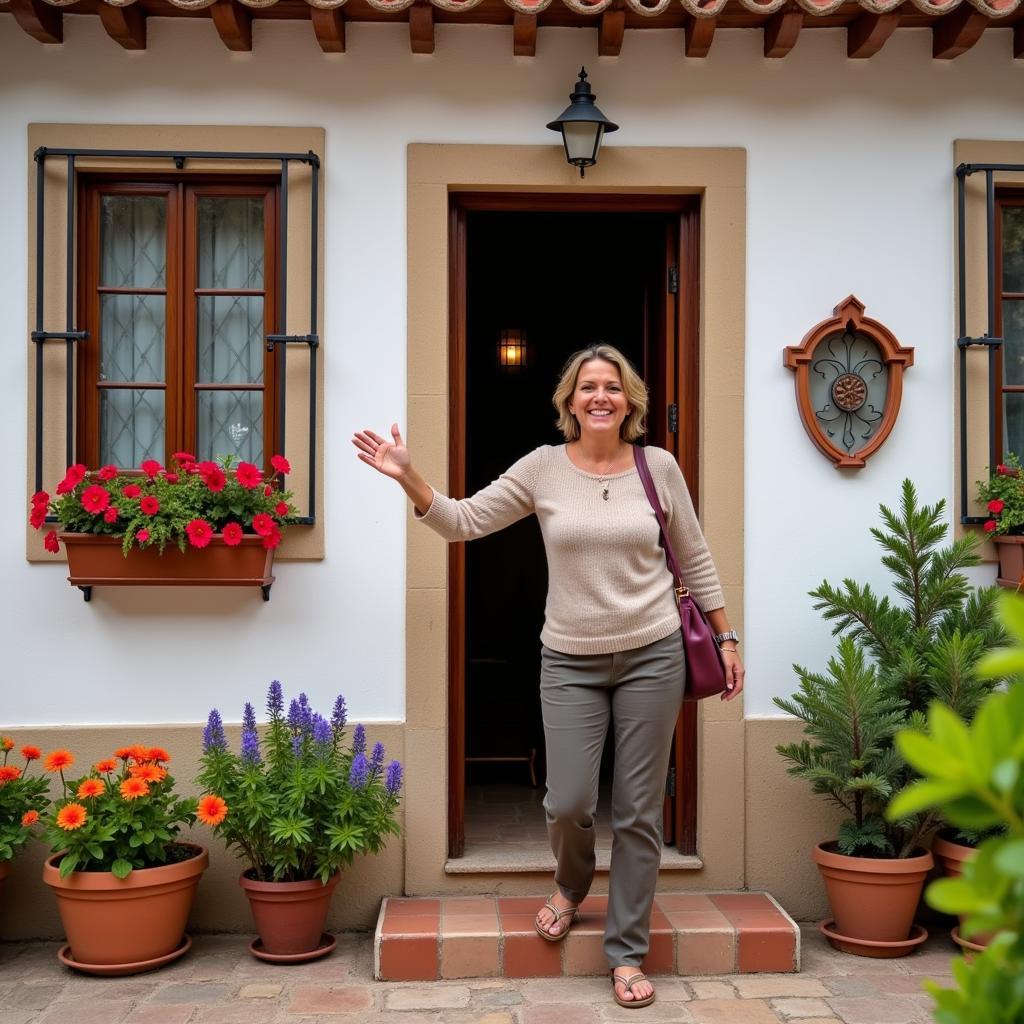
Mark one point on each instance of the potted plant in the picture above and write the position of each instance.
(124, 882)
(199, 523)
(298, 806)
(1002, 494)
(895, 657)
(23, 799)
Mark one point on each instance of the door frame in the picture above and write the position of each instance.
(681, 384)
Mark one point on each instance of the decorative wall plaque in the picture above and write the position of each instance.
(849, 383)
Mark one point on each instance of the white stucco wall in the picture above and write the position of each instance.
(849, 190)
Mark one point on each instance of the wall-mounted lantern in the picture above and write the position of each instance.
(582, 125)
(512, 349)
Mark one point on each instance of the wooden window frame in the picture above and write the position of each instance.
(1005, 198)
(180, 384)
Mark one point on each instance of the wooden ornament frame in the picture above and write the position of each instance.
(849, 316)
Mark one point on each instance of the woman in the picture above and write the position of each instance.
(612, 649)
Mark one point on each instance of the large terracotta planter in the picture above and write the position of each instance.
(873, 900)
(951, 856)
(1010, 549)
(131, 922)
(96, 560)
(289, 916)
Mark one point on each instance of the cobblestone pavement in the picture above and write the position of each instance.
(219, 983)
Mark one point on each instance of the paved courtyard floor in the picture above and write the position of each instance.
(219, 983)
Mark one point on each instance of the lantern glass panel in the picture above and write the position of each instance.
(582, 139)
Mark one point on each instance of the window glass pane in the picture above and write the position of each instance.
(1013, 341)
(230, 423)
(131, 426)
(849, 383)
(1013, 423)
(132, 337)
(133, 241)
(1013, 248)
(230, 339)
(230, 242)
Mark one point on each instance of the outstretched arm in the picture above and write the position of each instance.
(392, 459)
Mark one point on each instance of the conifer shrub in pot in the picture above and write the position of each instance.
(896, 655)
(297, 804)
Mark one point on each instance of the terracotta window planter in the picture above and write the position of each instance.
(95, 560)
(1010, 549)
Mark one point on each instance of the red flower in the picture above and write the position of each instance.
(1002, 470)
(183, 458)
(75, 473)
(142, 535)
(31, 753)
(110, 516)
(149, 505)
(107, 472)
(151, 467)
(281, 508)
(268, 491)
(50, 542)
(232, 534)
(131, 491)
(995, 506)
(991, 526)
(171, 478)
(8, 773)
(40, 498)
(65, 486)
(29, 818)
(248, 475)
(95, 499)
(199, 533)
(107, 765)
(271, 540)
(280, 463)
(214, 478)
(37, 517)
(263, 524)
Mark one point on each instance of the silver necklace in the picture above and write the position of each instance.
(603, 481)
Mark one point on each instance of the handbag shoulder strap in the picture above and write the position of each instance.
(640, 458)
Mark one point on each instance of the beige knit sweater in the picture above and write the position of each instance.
(608, 586)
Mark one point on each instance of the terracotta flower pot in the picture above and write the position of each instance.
(289, 916)
(1010, 549)
(131, 921)
(950, 856)
(873, 899)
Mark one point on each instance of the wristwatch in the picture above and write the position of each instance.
(720, 638)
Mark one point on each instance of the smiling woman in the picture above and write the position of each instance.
(612, 648)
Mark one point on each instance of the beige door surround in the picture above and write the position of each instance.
(434, 171)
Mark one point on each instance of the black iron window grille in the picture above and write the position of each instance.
(991, 341)
(278, 340)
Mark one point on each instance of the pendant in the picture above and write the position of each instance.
(604, 493)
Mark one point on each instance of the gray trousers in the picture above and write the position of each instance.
(641, 692)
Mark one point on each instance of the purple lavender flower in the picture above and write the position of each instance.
(376, 759)
(323, 734)
(213, 734)
(359, 772)
(250, 746)
(275, 699)
(297, 744)
(339, 716)
(393, 777)
(359, 740)
(295, 715)
(249, 718)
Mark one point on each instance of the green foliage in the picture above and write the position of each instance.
(974, 773)
(896, 655)
(1003, 497)
(21, 794)
(300, 805)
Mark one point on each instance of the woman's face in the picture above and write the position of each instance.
(598, 401)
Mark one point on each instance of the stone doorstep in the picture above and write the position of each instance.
(692, 934)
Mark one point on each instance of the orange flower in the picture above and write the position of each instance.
(71, 816)
(158, 754)
(148, 772)
(31, 753)
(123, 753)
(133, 788)
(92, 787)
(7, 742)
(212, 810)
(29, 818)
(106, 766)
(139, 753)
(8, 773)
(57, 760)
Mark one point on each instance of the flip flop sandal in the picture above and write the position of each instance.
(569, 912)
(628, 983)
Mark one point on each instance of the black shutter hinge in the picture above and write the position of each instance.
(673, 418)
(670, 785)
(673, 279)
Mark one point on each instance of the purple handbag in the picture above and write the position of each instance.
(705, 669)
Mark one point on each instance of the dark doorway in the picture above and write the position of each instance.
(564, 278)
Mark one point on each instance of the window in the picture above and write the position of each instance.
(1009, 395)
(177, 292)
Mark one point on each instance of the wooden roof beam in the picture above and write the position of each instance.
(957, 32)
(125, 25)
(41, 21)
(697, 35)
(234, 24)
(781, 32)
(866, 35)
(421, 27)
(329, 27)
(612, 30)
(524, 35)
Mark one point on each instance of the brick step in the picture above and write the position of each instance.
(424, 939)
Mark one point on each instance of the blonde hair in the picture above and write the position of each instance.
(632, 384)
